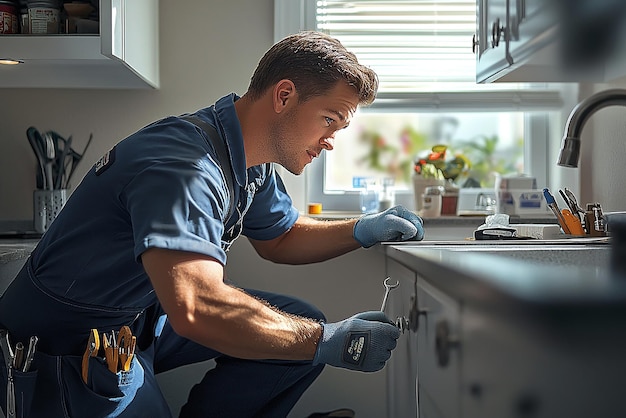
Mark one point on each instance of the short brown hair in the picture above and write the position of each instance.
(314, 62)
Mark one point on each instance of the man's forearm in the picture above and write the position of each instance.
(202, 308)
(310, 241)
(239, 325)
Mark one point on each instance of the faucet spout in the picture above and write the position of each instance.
(570, 147)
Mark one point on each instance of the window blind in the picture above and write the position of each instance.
(424, 46)
(410, 44)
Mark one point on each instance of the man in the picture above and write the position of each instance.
(142, 243)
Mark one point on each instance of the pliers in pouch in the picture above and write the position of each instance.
(93, 345)
(126, 343)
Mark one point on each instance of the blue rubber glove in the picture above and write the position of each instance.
(394, 224)
(362, 342)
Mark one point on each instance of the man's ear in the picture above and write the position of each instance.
(284, 94)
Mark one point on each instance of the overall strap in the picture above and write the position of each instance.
(222, 156)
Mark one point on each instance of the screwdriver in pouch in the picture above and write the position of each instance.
(30, 354)
(18, 357)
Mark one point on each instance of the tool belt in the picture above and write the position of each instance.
(65, 350)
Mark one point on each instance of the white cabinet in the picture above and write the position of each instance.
(124, 55)
(438, 353)
(550, 40)
(423, 375)
(402, 367)
(481, 348)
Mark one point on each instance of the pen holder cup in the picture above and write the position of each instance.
(46, 206)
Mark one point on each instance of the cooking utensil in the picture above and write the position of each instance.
(75, 159)
(62, 148)
(33, 139)
(50, 156)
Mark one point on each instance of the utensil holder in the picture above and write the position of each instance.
(46, 206)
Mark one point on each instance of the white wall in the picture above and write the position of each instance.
(603, 154)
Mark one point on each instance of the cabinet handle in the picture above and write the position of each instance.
(474, 43)
(496, 33)
(414, 315)
(444, 342)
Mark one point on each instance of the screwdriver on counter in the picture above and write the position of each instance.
(555, 209)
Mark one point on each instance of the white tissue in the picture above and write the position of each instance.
(498, 220)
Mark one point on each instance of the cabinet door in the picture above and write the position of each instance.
(492, 44)
(129, 34)
(402, 367)
(533, 25)
(438, 359)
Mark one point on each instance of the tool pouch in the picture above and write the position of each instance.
(23, 391)
(109, 393)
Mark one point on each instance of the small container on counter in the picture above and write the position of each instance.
(9, 22)
(432, 202)
(46, 206)
(43, 16)
(370, 201)
(449, 200)
(594, 220)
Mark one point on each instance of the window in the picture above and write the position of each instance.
(388, 145)
(421, 52)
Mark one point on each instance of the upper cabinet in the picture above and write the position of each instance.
(550, 40)
(125, 54)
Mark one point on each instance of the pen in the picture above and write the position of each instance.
(555, 209)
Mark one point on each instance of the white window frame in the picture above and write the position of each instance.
(292, 16)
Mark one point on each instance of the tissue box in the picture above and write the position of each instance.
(521, 202)
(515, 182)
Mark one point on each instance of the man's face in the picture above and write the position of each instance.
(305, 129)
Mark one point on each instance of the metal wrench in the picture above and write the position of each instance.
(388, 288)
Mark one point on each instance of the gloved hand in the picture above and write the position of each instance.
(394, 224)
(362, 342)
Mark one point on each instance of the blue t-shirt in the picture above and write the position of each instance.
(161, 187)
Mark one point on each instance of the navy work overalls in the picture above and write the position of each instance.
(54, 386)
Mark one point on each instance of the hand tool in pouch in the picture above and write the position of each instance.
(30, 354)
(93, 345)
(126, 343)
(9, 358)
(110, 351)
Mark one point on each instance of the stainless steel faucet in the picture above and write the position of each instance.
(570, 147)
